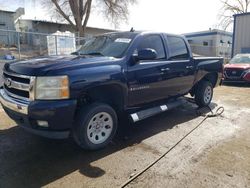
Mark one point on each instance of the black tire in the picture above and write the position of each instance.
(83, 127)
(201, 97)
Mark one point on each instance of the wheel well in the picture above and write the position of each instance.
(112, 95)
(212, 78)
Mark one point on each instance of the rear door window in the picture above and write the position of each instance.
(177, 48)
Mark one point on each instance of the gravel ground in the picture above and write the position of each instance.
(1, 68)
(215, 155)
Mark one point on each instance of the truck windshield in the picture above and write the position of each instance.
(111, 45)
(241, 58)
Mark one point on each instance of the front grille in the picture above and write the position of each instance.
(18, 92)
(18, 79)
(233, 73)
(17, 86)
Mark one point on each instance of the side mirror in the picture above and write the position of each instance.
(146, 54)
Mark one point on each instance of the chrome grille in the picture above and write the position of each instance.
(234, 73)
(18, 86)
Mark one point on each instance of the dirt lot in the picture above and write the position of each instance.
(215, 155)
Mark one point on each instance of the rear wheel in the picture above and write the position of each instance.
(95, 126)
(203, 93)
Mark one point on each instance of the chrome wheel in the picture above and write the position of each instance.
(100, 128)
(208, 94)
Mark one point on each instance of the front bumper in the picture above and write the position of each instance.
(15, 105)
(243, 78)
(59, 114)
(235, 81)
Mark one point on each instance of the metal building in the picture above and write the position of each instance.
(241, 34)
(49, 27)
(211, 43)
(43, 28)
(7, 22)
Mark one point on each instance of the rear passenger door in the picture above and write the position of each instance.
(180, 75)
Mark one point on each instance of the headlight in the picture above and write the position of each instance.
(52, 87)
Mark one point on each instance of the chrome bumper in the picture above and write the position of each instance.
(13, 104)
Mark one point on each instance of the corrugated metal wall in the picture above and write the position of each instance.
(7, 23)
(214, 46)
(198, 47)
(242, 34)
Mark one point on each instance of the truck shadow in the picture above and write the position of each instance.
(31, 161)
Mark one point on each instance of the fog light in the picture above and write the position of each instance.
(42, 123)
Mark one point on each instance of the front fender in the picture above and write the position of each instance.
(83, 79)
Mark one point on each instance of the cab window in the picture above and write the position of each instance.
(177, 48)
(153, 42)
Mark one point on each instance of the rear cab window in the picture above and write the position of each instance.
(177, 48)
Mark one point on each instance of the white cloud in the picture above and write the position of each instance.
(179, 16)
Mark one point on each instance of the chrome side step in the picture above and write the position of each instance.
(140, 115)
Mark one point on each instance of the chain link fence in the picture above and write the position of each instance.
(25, 45)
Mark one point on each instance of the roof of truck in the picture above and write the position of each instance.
(143, 32)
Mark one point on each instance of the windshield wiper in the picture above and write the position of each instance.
(94, 53)
(76, 53)
(91, 53)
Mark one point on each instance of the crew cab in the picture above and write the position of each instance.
(84, 94)
(238, 69)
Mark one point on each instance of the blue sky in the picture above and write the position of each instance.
(180, 16)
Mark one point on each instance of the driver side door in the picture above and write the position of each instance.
(145, 77)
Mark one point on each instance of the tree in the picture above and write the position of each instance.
(231, 7)
(77, 12)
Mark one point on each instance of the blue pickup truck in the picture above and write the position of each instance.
(84, 94)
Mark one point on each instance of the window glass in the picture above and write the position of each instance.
(111, 45)
(205, 43)
(2, 24)
(177, 48)
(241, 58)
(153, 42)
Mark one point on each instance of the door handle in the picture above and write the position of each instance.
(189, 67)
(165, 69)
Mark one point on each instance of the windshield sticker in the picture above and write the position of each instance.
(123, 40)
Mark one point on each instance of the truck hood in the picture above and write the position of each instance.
(237, 66)
(41, 66)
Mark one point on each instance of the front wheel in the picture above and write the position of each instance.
(203, 93)
(95, 126)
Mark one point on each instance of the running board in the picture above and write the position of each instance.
(140, 115)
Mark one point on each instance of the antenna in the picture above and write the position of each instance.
(132, 29)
